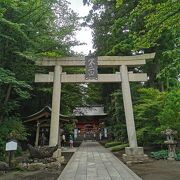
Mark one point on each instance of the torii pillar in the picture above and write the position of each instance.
(133, 152)
(54, 127)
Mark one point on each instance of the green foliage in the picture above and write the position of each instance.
(170, 72)
(133, 27)
(101, 23)
(177, 157)
(92, 94)
(8, 78)
(147, 109)
(119, 3)
(159, 16)
(116, 118)
(69, 128)
(169, 117)
(163, 154)
(19, 89)
(10, 128)
(119, 147)
(111, 144)
(156, 111)
(36, 28)
(30, 30)
(71, 96)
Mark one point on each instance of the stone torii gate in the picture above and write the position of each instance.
(133, 152)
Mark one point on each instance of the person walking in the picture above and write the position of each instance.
(63, 140)
(94, 136)
(43, 139)
(100, 136)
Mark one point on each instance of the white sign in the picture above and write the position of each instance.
(105, 132)
(11, 146)
(75, 133)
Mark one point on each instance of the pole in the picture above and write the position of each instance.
(37, 133)
(10, 158)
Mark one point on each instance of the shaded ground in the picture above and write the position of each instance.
(46, 174)
(155, 169)
(32, 175)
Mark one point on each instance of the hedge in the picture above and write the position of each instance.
(119, 147)
(111, 144)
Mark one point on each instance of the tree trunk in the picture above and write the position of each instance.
(8, 93)
(162, 86)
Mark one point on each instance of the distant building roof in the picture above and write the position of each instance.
(97, 110)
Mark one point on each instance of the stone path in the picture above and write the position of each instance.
(93, 162)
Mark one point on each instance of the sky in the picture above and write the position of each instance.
(84, 35)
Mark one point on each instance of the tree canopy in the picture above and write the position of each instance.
(30, 29)
(126, 27)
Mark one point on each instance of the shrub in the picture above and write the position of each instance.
(177, 157)
(163, 154)
(111, 144)
(10, 128)
(156, 111)
(119, 147)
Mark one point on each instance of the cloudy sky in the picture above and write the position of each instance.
(84, 35)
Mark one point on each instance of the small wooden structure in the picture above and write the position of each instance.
(41, 121)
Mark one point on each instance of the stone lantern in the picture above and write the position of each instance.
(171, 143)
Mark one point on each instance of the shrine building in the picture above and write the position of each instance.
(38, 124)
(89, 122)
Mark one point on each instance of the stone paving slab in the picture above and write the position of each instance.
(68, 149)
(93, 162)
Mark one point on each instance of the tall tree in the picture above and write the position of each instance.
(30, 29)
(129, 27)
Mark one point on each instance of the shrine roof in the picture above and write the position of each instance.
(95, 110)
(45, 113)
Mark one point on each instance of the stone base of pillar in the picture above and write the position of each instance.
(171, 158)
(134, 155)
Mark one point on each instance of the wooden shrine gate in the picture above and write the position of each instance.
(123, 76)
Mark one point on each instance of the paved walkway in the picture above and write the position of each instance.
(93, 162)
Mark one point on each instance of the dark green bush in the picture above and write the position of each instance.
(163, 154)
(10, 128)
(119, 147)
(111, 144)
(177, 157)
